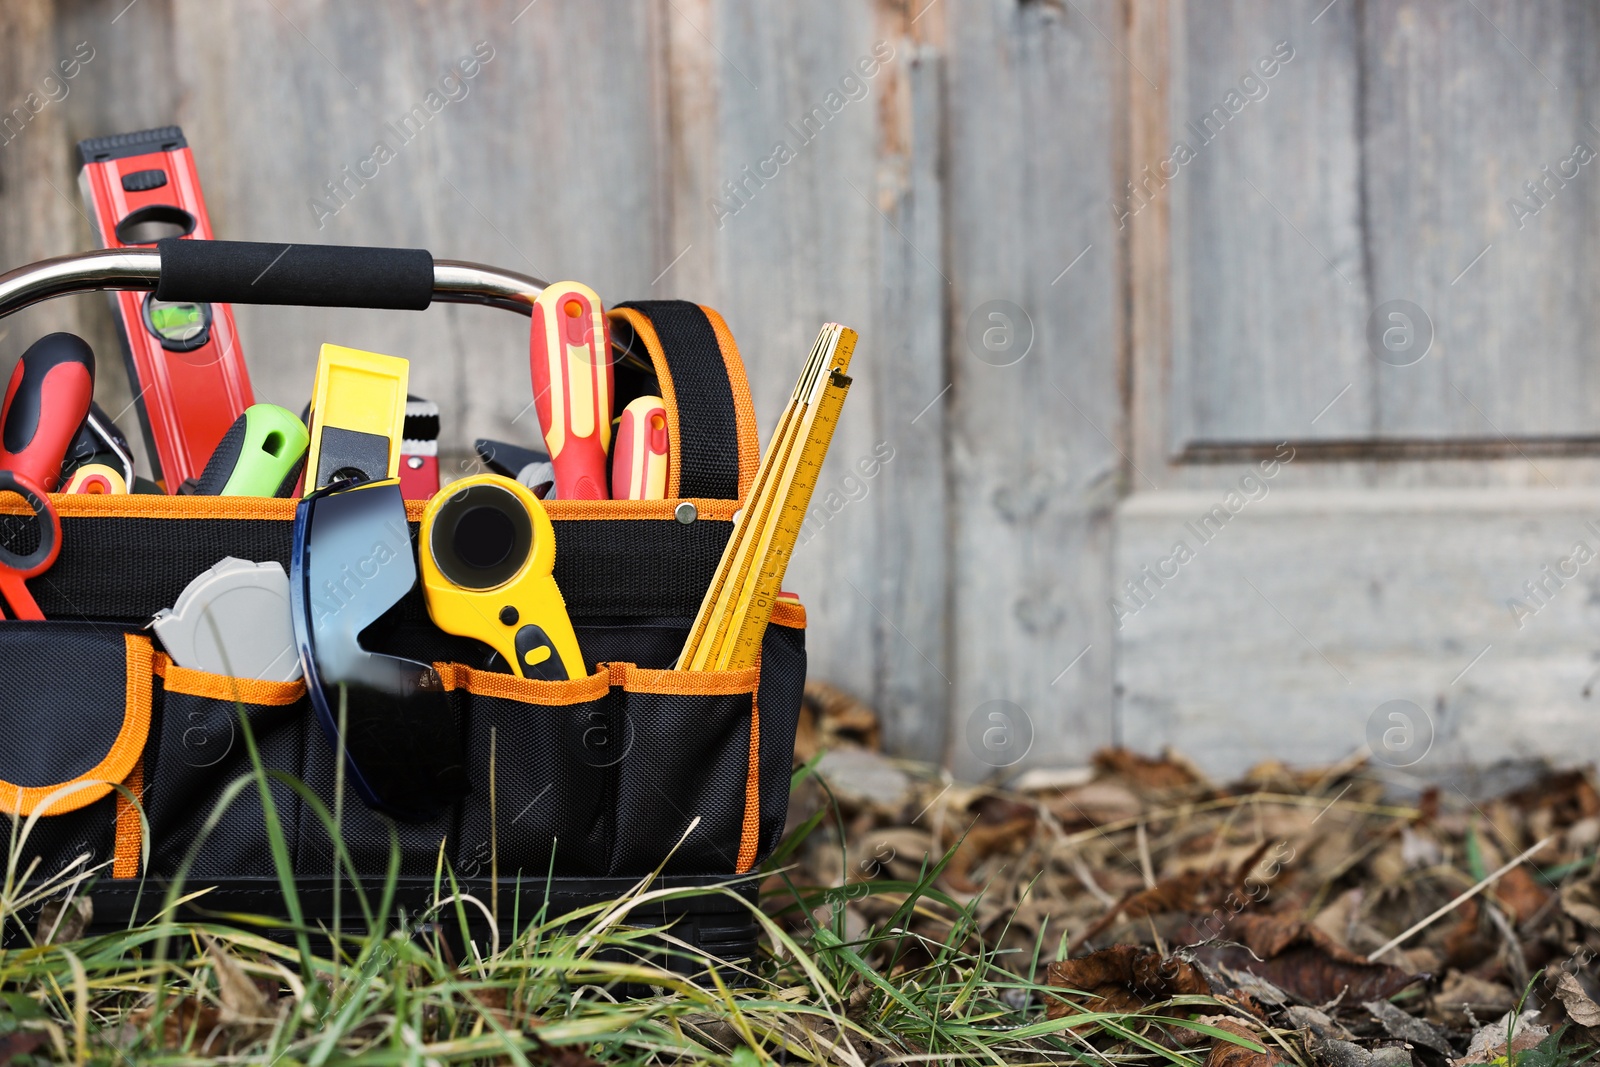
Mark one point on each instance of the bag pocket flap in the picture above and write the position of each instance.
(75, 699)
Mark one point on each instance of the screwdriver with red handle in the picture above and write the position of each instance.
(49, 395)
(570, 350)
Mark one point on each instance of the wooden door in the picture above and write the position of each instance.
(1364, 400)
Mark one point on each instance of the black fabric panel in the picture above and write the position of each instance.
(127, 569)
(366, 833)
(63, 699)
(198, 750)
(247, 272)
(552, 789)
(686, 757)
(57, 840)
(708, 427)
(783, 682)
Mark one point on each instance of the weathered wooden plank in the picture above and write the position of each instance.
(785, 242)
(1477, 133)
(1307, 612)
(906, 473)
(1035, 466)
(516, 135)
(58, 70)
(1269, 290)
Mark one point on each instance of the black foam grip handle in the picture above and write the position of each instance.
(244, 272)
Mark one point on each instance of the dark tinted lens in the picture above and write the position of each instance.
(352, 563)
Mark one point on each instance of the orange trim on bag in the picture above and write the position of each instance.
(790, 613)
(195, 683)
(153, 506)
(645, 330)
(524, 690)
(150, 506)
(130, 832)
(750, 836)
(743, 407)
(638, 509)
(117, 764)
(686, 683)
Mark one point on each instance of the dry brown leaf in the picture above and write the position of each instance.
(1336, 919)
(1168, 773)
(1397, 1023)
(64, 920)
(243, 1002)
(1568, 795)
(1489, 1044)
(1227, 1054)
(1095, 804)
(1580, 1006)
(831, 718)
(1464, 997)
(1521, 894)
(21, 1043)
(1299, 958)
(981, 842)
(1123, 978)
(186, 1018)
(1470, 940)
(1581, 900)
(1188, 892)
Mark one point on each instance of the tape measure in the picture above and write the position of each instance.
(733, 617)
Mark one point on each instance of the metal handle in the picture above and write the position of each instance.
(455, 281)
(139, 270)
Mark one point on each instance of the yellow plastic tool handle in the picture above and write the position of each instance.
(522, 616)
(358, 415)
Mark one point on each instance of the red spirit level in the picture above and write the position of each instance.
(184, 361)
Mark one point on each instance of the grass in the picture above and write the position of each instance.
(393, 990)
(261, 990)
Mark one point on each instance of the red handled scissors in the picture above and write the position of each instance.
(45, 404)
(14, 568)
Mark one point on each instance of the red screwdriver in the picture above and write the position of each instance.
(46, 402)
(572, 383)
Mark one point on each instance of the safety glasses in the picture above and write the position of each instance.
(352, 562)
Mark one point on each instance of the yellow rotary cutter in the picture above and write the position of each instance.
(488, 560)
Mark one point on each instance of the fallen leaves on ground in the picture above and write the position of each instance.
(1122, 978)
(1231, 1054)
(1302, 960)
(1266, 897)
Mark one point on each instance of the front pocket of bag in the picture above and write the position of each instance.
(200, 750)
(541, 769)
(75, 712)
(687, 780)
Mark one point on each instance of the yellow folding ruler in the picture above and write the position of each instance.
(727, 633)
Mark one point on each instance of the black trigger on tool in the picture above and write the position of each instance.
(347, 453)
(532, 639)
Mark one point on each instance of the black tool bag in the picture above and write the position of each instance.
(579, 787)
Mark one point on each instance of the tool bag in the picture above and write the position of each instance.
(579, 787)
